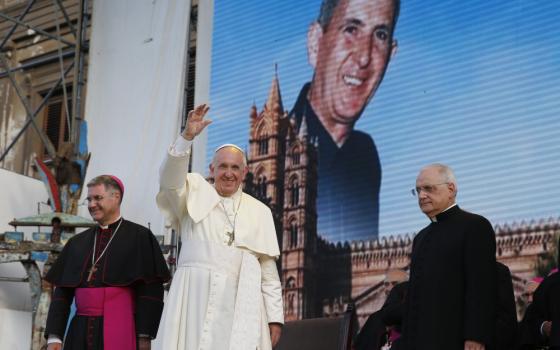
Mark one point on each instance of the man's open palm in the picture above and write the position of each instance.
(196, 122)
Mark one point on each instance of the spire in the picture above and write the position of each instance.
(293, 122)
(274, 101)
(303, 127)
(253, 112)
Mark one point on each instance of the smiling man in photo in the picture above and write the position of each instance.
(349, 46)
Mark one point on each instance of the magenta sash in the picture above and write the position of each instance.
(394, 335)
(116, 305)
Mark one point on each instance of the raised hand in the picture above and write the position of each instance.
(196, 122)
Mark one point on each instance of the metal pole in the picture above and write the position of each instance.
(28, 121)
(24, 13)
(38, 62)
(46, 142)
(77, 86)
(65, 14)
(173, 253)
(40, 31)
(14, 279)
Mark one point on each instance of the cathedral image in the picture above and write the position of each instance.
(321, 278)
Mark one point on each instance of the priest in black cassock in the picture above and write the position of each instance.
(541, 325)
(452, 287)
(115, 272)
(506, 314)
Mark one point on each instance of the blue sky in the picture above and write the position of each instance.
(475, 84)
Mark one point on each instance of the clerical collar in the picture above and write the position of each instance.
(235, 197)
(111, 225)
(446, 213)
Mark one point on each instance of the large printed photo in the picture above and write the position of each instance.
(370, 91)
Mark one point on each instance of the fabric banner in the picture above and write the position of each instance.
(135, 89)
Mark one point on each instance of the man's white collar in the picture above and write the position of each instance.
(434, 219)
(104, 227)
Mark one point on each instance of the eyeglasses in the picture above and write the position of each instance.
(94, 199)
(427, 188)
(98, 198)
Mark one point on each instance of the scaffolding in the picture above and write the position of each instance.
(52, 36)
(45, 44)
(66, 31)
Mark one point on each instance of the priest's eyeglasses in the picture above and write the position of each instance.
(427, 188)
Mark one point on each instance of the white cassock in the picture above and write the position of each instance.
(222, 296)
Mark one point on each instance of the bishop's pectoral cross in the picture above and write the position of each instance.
(231, 236)
(92, 270)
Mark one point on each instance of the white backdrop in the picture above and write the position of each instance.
(20, 195)
(135, 87)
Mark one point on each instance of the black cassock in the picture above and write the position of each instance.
(349, 178)
(506, 314)
(545, 307)
(133, 259)
(373, 334)
(452, 288)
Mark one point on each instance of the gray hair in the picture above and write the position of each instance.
(445, 172)
(108, 182)
(328, 6)
(231, 145)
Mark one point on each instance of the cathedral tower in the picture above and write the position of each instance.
(300, 226)
(266, 155)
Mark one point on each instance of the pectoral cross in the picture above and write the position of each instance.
(231, 236)
(92, 270)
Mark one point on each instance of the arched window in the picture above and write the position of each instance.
(293, 234)
(291, 283)
(295, 156)
(262, 146)
(261, 186)
(294, 192)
